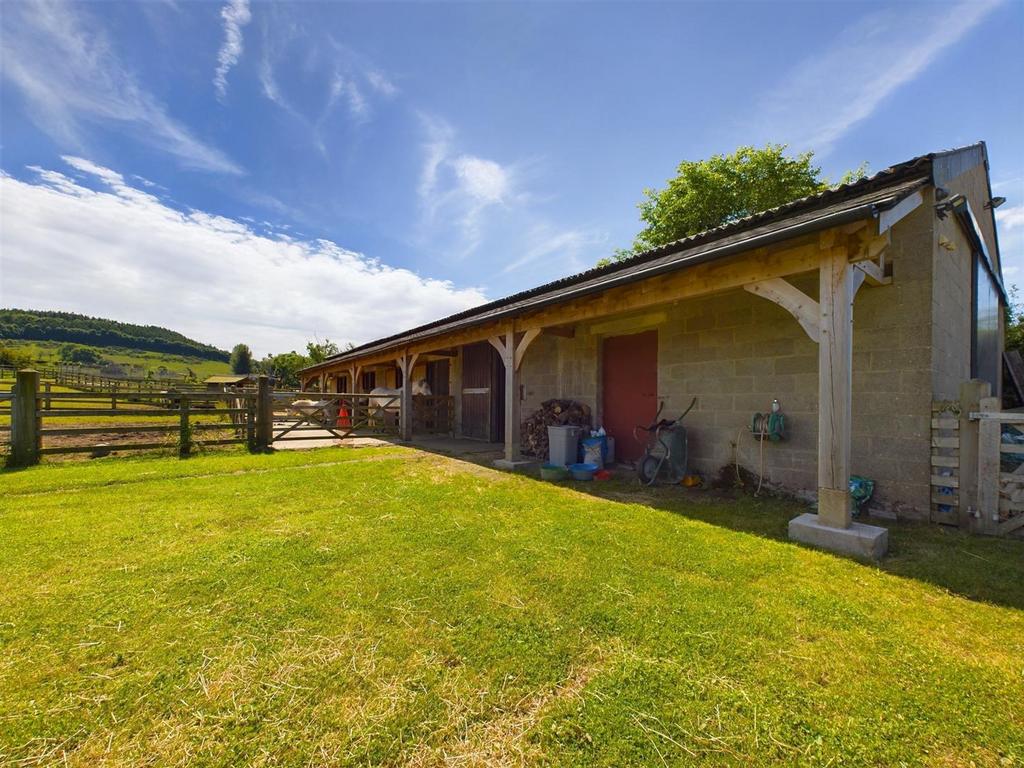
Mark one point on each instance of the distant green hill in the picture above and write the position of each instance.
(68, 327)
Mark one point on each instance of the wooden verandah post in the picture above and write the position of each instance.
(512, 354)
(406, 363)
(835, 387)
(829, 322)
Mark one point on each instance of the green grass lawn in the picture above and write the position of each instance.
(391, 607)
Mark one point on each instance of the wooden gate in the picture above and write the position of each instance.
(333, 416)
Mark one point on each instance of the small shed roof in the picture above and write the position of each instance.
(233, 378)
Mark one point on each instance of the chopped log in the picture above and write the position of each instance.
(534, 431)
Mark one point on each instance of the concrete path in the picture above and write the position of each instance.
(449, 446)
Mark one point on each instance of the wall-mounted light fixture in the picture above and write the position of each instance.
(995, 202)
(941, 209)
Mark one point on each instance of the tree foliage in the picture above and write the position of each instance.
(284, 368)
(33, 325)
(72, 353)
(1015, 322)
(15, 358)
(241, 359)
(723, 188)
(318, 351)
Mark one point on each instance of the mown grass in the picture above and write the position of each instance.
(389, 607)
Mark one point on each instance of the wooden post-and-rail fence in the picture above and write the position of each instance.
(977, 460)
(259, 417)
(203, 418)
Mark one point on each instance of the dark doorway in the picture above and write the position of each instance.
(437, 377)
(341, 384)
(483, 393)
(629, 379)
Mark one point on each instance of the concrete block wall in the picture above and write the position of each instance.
(736, 352)
(555, 366)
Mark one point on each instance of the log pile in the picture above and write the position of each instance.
(534, 432)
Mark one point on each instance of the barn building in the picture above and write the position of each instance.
(856, 308)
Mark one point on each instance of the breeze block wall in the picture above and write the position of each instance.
(736, 352)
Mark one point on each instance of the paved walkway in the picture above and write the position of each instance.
(449, 446)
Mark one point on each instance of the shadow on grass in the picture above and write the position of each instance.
(975, 567)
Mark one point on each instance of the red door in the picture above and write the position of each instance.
(629, 389)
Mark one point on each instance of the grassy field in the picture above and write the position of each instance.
(48, 352)
(390, 607)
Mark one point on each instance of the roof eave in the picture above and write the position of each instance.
(777, 234)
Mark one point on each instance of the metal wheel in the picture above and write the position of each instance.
(648, 467)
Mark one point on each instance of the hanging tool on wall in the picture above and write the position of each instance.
(771, 425)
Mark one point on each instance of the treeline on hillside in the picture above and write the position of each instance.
(98, 332)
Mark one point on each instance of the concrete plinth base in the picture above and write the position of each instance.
(859, 539)
(516, 465)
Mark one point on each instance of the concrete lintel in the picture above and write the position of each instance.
(516, 465)
(869, 541)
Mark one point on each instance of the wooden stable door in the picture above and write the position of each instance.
(483, 393)
(629, 378)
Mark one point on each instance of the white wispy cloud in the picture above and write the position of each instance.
(460, 187)
(111, 249)
(235, 14)
(1010, 222)
(577, 249)
(65, 67)
(472, 205)
(842, 84)
(1010, 218)
(347, 88)
(299, 61)
(381, 82)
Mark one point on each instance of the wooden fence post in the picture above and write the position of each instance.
(25, 437)
(971, 394)
(264, 413)
(184, 438)
(250, 422)
(46, 401)
(989, 439)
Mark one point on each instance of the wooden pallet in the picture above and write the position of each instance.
(945, 464)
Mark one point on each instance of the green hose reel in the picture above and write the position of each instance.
(770, 425)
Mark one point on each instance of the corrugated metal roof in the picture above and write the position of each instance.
(880, 191)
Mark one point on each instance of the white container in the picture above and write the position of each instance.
(563, 444)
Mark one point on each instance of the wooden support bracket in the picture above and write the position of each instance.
(872, 273)
(499, 344)
(523, 344)
(793, 300)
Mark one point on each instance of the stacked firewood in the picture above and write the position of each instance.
(534, 432)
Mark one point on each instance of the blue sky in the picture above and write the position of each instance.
(273, 172)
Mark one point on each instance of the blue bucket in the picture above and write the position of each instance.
(583, 471)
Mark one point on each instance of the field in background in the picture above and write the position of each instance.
(48, 352)
(391, 607)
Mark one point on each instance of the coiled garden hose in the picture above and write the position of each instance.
(771, 425)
